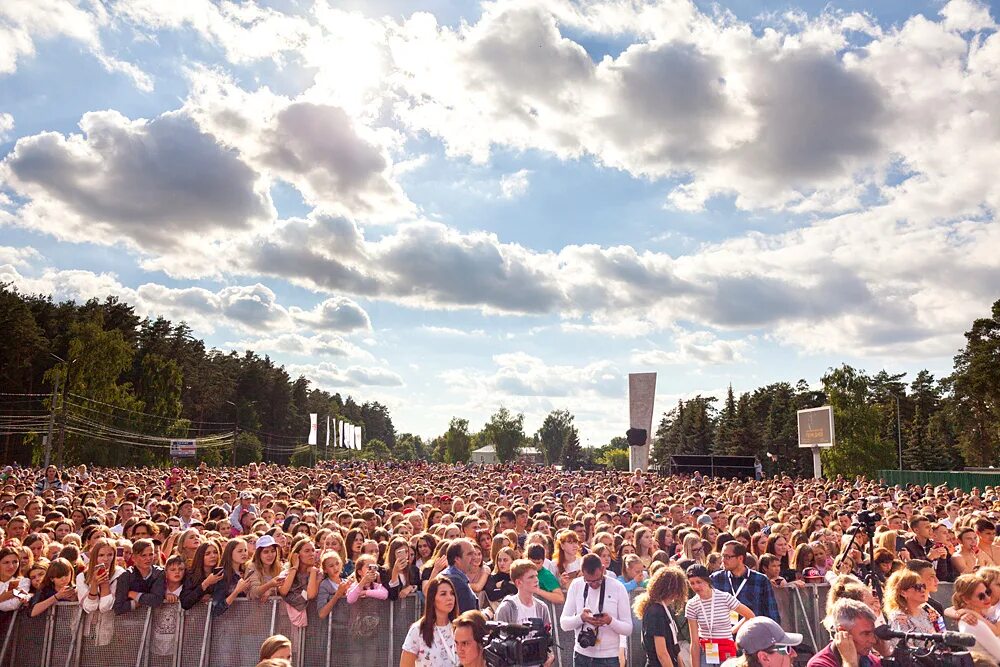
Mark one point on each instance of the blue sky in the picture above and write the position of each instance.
(452, 206)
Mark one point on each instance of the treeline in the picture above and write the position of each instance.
(941, 423)
(125, 381)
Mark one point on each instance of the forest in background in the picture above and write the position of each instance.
(127, 384)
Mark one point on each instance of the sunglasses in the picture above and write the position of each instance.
(781, 650)
(983, 597)
(919, 587)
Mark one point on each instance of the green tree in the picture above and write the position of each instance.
(975, 384)
(553, 433)
(615, 459)
(861, 448)
(248, 449)
(505, 431)
(409, 447)
(725, 430)
(375, 450)
(455, 443)
(572, 453)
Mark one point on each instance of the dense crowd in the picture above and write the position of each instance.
(695, 561)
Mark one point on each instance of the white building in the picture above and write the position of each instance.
(487, 455)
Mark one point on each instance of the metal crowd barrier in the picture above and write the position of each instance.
(369, 633)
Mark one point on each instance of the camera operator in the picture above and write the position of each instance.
(470, 638)
(522, 606)
(597, 632)
(852, 625)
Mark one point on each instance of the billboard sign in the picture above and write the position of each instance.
(183, 449)
(816, 427)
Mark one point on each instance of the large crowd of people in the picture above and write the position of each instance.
(695, 562)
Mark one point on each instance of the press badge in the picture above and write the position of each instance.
(734, 617)
(712, 653)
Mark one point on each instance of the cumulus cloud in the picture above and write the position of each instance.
(515, 185)
(318, 345)
(333, 158)
(694, 347)
(25, 22)
(251, 308)
(335, 378)
(157, 185)
(6, 126)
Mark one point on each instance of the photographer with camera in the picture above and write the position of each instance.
(523, 605)
(470, 638)
(852, 624)
(597, 633)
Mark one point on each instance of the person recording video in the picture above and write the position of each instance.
(522, 606)
(470, 638)
(598, 611)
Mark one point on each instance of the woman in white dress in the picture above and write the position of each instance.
(971, 595)
(430, 641)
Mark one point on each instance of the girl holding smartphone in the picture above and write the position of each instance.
(205, 573)
(95, 590)
(57, 586)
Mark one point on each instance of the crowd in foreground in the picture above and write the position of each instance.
(694, 561)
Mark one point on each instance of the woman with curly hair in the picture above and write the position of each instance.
(665, 589)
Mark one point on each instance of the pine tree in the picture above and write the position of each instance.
(725, 432)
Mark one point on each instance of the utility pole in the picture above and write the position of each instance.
(52, 422)
(236, 430)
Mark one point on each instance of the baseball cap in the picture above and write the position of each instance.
(761, 633)
(704, 520)
(246, 495)
(265, 541)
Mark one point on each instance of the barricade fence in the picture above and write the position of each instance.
(369, 633)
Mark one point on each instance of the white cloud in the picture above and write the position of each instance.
(694, 347)
(159, 185)
(515, 185)
(25, 22)
(334, 159)
(451, 331)
(6, 126)
(18, 257)
(319, 345)
(334, 377)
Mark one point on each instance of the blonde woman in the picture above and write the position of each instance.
(693, 549)
(971, 595)
(95, 588)
(905, 601)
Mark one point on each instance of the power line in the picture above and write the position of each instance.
(144, 414)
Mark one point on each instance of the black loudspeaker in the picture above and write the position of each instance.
(636, 437)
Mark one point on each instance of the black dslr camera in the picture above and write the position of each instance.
(514, 644)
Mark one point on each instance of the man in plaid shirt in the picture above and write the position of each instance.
(751, 588)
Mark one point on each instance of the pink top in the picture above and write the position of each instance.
(377, 591)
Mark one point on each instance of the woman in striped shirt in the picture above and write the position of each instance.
(713, 618)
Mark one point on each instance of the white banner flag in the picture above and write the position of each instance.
(357, 435)
(328, 431)
(313, 427)
(343, 434)
(354, 436)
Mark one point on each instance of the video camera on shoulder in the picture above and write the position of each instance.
(517, 644)
(915, 649)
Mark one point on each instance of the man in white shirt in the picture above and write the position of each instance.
(597, 610)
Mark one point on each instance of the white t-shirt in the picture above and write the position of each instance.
(712, 615)
(441, 654)
(523, 613)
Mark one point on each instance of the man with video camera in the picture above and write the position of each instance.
(523, 606)
(470, 638)
(598, 611)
